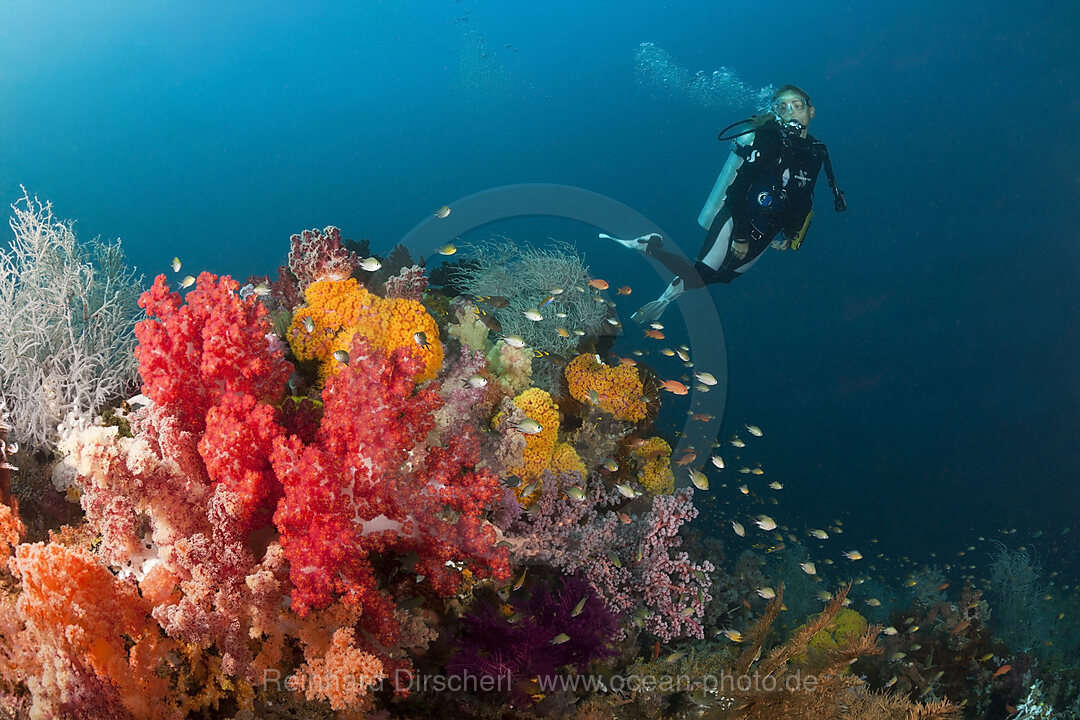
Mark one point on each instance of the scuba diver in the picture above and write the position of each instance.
(764, 190)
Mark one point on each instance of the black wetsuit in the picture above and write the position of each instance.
(772, 191)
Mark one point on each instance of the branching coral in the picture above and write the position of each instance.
(535, 633)
(1016, 588)
(67, 310)
(97, 644)
(632, 562)
(343, 674)
(11, 529)
(526, 276)
(410, 283)
(240, 434)
(319, 255)
(181, 538)
(817, 689)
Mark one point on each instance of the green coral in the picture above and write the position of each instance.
(512, 366)
(469, 329)
(110, 418)
(844, 628)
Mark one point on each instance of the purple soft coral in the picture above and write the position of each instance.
(536, 635)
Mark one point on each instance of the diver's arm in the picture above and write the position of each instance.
(795, 231)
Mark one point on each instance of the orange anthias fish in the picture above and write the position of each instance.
(631, 362)
(674, 386)
(624, 290)
(1002, 670)
(598, 284)
(654, 334)
(686, 459)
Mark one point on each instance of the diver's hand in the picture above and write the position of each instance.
(781, 244)
(739, 248)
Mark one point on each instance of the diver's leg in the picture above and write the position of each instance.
(748, 264)
(653, 246)
(714, 251)
(651, 312)
(689, 276)
(677, 264)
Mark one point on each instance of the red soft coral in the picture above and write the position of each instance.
(366, 487)
(191, 354)
(240, 434)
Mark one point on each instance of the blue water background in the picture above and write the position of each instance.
(914, 366)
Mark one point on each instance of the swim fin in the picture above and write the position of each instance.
(651, 312)
(641, 244)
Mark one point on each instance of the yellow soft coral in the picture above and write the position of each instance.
(537, 405)
(655, 471)
(337, 310)
(614, 389)
(564, 458)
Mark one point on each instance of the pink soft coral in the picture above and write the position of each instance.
(319, 255)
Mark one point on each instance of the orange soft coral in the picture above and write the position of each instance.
(81, 617)
(614, 389)
(11, 529)
(336, 310)
(343, 675)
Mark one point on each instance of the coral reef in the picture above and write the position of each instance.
(533, 405)
(319, 255)
(307, 528)
(553, 282)
(654, 473)
(369, 486)
(539, 629)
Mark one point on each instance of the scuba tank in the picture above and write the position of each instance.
(719, 191)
